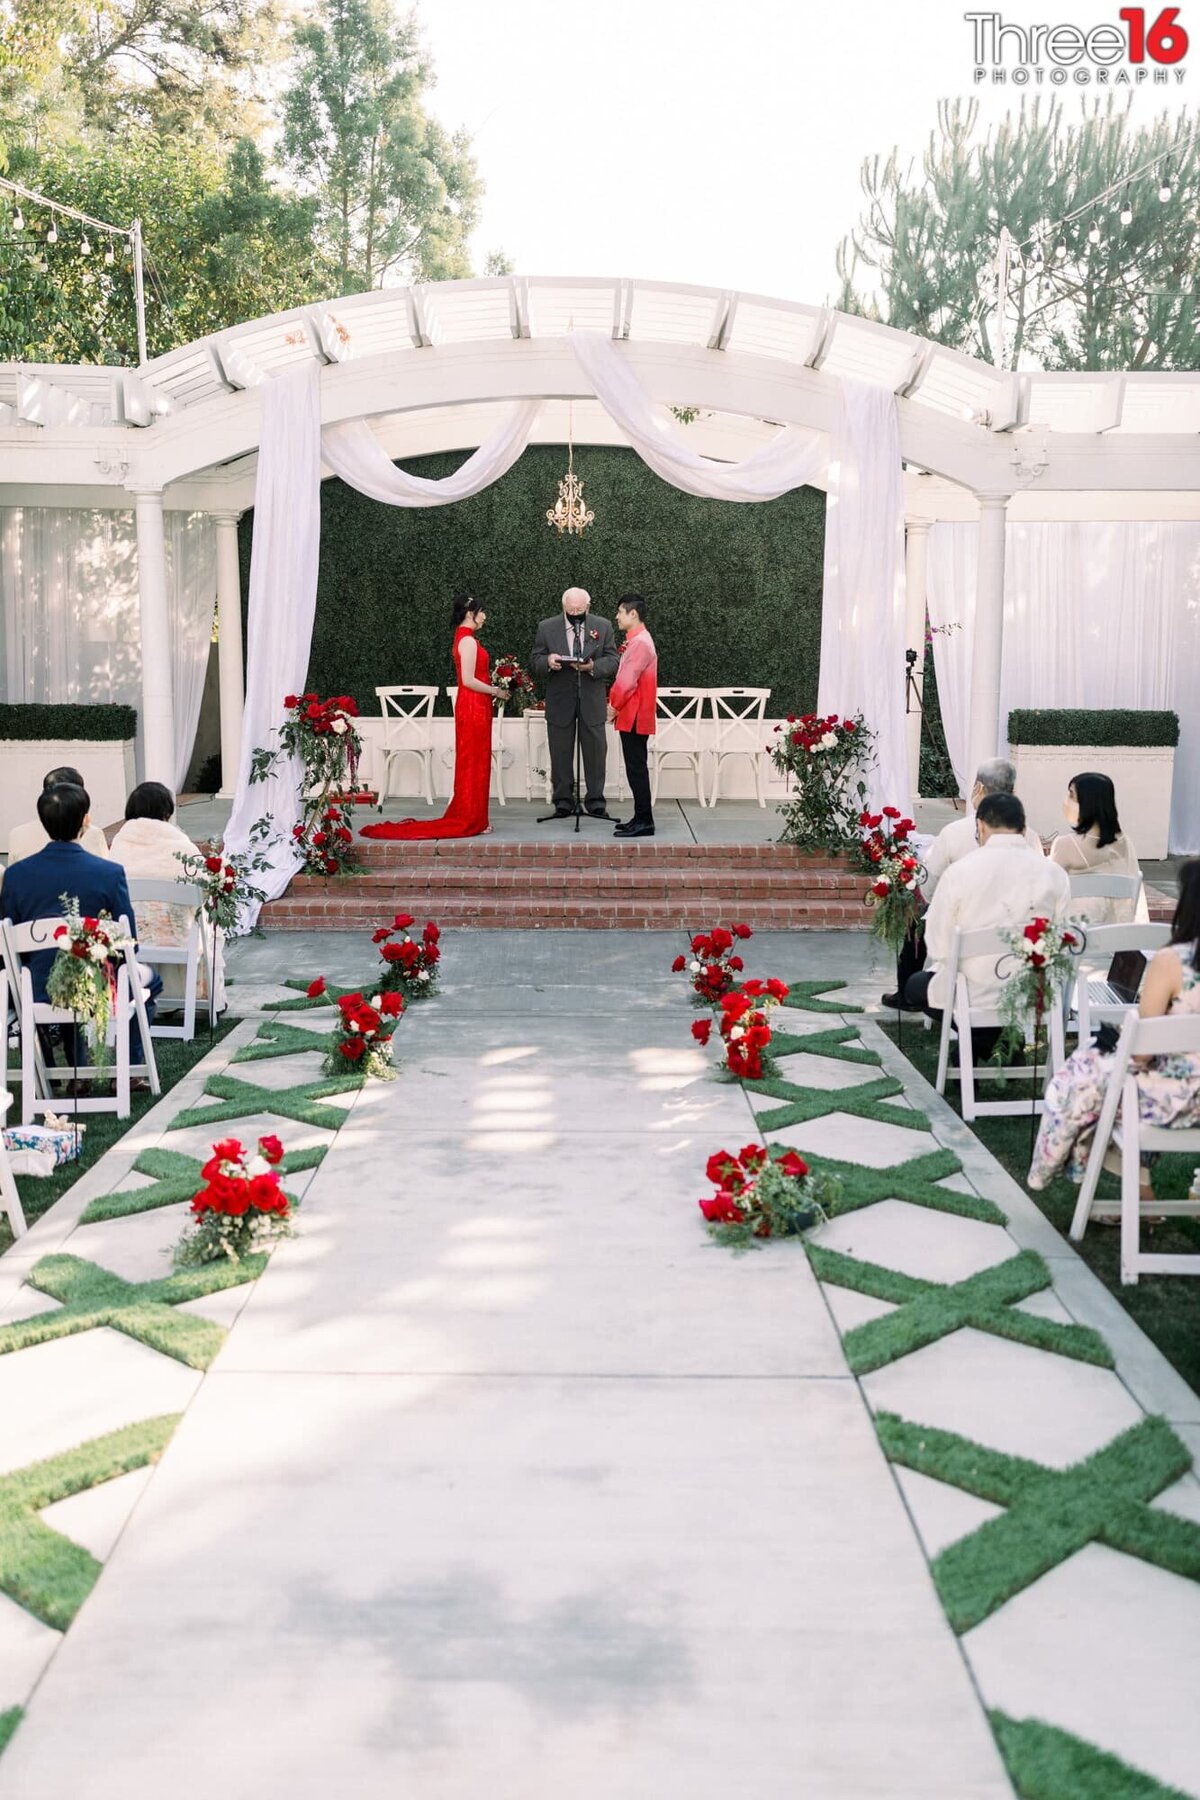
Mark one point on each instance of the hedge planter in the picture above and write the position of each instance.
(1136, 750)
(96, 740)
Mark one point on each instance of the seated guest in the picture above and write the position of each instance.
(999, 884)
(24, 839)
(32, 889)
(1168, 1086)
(952, 843)
(147, 847)
(1096, 845)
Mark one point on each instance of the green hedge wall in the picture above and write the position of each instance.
(735, 590)
(1103, 728)
(93, 724)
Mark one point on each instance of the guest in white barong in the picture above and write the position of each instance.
(1096, 845)
(148, 846)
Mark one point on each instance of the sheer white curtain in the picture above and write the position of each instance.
(354, 452)
(191, 544)
(952, 570)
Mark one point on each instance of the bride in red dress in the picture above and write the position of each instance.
(467, 813)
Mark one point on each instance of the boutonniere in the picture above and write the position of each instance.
(594, 635)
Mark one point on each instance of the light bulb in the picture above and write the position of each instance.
(1164, 192)
(1127, 214)
(43, 265)
(52, 234)
(108, 256)
(1094, 235)
(1060, 251)
(85, 249)
(18, 220)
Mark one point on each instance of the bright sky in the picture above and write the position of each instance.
(710, 141)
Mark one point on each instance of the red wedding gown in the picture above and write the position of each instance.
(467, 813)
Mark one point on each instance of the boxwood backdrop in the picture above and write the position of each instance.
(735, 589)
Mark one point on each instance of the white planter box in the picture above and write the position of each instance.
(1142, 778)
(107, 769)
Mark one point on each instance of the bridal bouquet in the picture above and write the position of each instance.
(241, 1208)
(224, 881)
(362, 1037)
(893, 892)
(411, 964)
(825, 761)
(1041, 955)
(83, 975)
(516, 682)
(713, 964)
(758, 1196)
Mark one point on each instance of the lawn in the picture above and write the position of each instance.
(38, 1194)
(1167, 1307)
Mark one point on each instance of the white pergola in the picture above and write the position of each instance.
(433, 367)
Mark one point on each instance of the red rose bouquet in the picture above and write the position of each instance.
(714, 963)
(224, 881)
(746, 1030)
(362, 1037)
(896, 874)
(507, 673)
(1037, 968)
(410, 964)
(83, 975)
(825, 761)
(759, 1196)
(322, 733)
(240, 1209)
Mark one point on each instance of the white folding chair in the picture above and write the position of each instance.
(407, 714)
(497, 747)
(9, 1196)
(188, 956)
(678, 733)
(37, 1076)
(738, 714)
(536, 744)
(1105, 887)
(1091, 997)
(962, 1017)
(1178, 1036)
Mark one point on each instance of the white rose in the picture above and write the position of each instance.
(736, 1031)
(694, 967)
(423, 975)
(828, 741)
(339, 725)
(353, 1026)
(98, 953)
(258, 1165)
(375, 1002)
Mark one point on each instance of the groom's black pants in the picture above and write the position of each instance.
(634, 748)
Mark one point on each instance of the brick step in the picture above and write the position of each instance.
(523, 913)
(578, 851)
(383, 885)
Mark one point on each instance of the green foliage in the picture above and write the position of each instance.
(1048, 1764)
(176, 1178)
(9, 1720)
(735, 590)
(918, 1181)
(805, 997)
(232, 1099)
(869, 1100)
(1107, 727)
(936, 779)
(929, 233)
(24, 724)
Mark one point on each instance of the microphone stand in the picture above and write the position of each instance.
(578, 811)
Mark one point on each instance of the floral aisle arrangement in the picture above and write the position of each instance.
(241, 1208)
(410, 964)
(745, 1028)
(83, 975)
(323, 734)
(225, 882)
(1041, 955)
(362, 1037)
(825, 761)
(714, 963)
(893, 893)
(519, 691)
(759, 1196)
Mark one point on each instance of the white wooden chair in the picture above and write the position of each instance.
(738, 714)
(537, 746)
(9, 1197)
(189, 956)
(962, 1017)
(37, 1077)
(1091, 997)
(1169, 1036)
(678, 733)
(1105, 887)
(407, 731)
(497, 747)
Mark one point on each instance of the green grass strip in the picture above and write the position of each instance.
(1051, 1513)
(866, 1101)
(41, 1570)
(803, 996)
(241, 1100)
(928, 1310)
(275, 1038)
(1048, 1764)
(145, 1311)
(177, 1177)
(916, 1181)
(9, 1721)
(330, 997)
(840, 1041)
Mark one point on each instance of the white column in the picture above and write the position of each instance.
(988, 647)
(229, 648)
(916, 560)
(158, 704)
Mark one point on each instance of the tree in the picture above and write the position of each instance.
(1124, 302)
(396, 194)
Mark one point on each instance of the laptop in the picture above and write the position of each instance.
(1124, 978)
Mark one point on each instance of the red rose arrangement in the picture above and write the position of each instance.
(714, 963)
(225, 882)
(746, 1029)
(507, 673)
(1040, 963)
(361, 1040)
(824, 761)
(896, 874)
(410, 964)
(83, 975)
(323, 734)
(761, 1196)
(240, 1209)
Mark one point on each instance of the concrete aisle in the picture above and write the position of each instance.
(506, 1483)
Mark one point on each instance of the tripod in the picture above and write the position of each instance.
(578, 811)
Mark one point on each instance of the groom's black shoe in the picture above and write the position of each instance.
(897, 1003)
(633, 828)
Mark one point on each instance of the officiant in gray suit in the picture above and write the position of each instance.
(576, 700)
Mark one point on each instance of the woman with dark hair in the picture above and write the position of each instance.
(1168, 1086)
(148, 847)
(1096, 845)
(467, 813)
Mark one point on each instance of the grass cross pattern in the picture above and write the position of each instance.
(304, 1003)
(40, 1569)
(241, 1100)
(916, 1181)
(1047, 1764)
(803, 996)
(177, 1177)
(801, 1105)
(929, 1310)
(839, 1041)
(145, 1311)
(277, 1038)
(1051, 1513)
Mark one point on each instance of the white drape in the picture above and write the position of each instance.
(1096, 614)
(792, 459)
(353, 452)
(191, 546)
(862, 609)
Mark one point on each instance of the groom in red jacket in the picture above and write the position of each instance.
(632, 706)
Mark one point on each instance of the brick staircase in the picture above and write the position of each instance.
(578, 885)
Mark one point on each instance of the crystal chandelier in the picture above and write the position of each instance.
(570, 512)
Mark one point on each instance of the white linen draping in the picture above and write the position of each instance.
(792, 459)
(354, 452)
(862, 610)
(191, 549)
(1097, 614)
(952, 570)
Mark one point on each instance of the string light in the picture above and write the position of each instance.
(52, 234)
(1164, 192)
(109, 256)
(43, 265)
(85, 248)
(1126, 210)
(1094, 233)
(18, 220)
